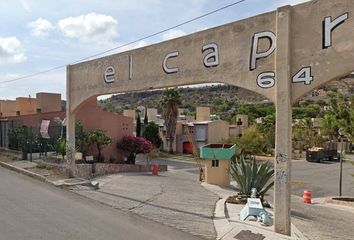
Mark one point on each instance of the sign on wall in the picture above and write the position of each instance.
(241, 53)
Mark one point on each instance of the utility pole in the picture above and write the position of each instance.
(341, 134)
(283, 140)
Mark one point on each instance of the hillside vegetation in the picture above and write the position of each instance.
(220, 98)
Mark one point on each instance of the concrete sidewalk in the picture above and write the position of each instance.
(228, 226)
(174, 198)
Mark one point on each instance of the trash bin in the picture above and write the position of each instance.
(314, 155)
(331, 154)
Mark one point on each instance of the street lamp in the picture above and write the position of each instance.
(341, 134)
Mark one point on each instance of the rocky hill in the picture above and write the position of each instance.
(220, 98)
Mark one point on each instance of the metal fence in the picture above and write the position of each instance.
(29, 139)
(4, 140)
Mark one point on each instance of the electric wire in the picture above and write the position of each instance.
(124, 45)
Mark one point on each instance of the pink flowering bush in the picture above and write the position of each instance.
(134, 145)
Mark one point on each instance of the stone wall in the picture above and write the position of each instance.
(84, 171)
(100, 169)
(88, 171)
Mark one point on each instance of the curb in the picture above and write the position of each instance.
(221, 224)
(25, 172)
(178, 160)
(44, 179)
(226, 228)
(336, 204)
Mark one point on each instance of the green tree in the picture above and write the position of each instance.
(138, 126)
(330, 126)
(146, 120)
(267, 129)
(303, 133)
(340, 115)
(251, 142)
(80, 138)
(311, 111)
(170, 102)
(151, 133)
(16, 136)
(99, 139)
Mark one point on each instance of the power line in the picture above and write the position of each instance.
(126, 44)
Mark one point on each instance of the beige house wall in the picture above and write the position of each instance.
(236, 130)
(202, 114)
(218, 132)
(244, 120)
(163, 135)
(129, 113)
(25, 105)
(217, 175)
(8, 108)
(48, 102)
(152, 114)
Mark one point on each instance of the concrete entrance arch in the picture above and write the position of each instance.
(282, 55)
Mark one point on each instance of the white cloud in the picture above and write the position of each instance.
(92, 27)
(40, 27)
(174, 33)
(11, 50)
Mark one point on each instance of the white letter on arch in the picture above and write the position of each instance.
(329, 26)
(164, 64)
(212, 58)
(255, 55)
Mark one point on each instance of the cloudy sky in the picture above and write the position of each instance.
(36, 35)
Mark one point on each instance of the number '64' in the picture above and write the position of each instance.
(267, 79)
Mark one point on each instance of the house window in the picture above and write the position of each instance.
(239, 122)
(215, 163)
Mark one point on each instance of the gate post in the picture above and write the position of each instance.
(70, 129)
(283, 139)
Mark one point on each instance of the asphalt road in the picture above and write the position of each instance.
(321, 178)
(319, 222)
(33, 210)
(316, 222)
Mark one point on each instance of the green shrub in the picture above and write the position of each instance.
(60, 147)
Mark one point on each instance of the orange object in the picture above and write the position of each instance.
(155, 169)
(307, 196)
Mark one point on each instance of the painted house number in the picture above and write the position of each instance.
(265, 79)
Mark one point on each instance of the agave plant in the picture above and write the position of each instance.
(250, 175)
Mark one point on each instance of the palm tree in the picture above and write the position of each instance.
(170, 102)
